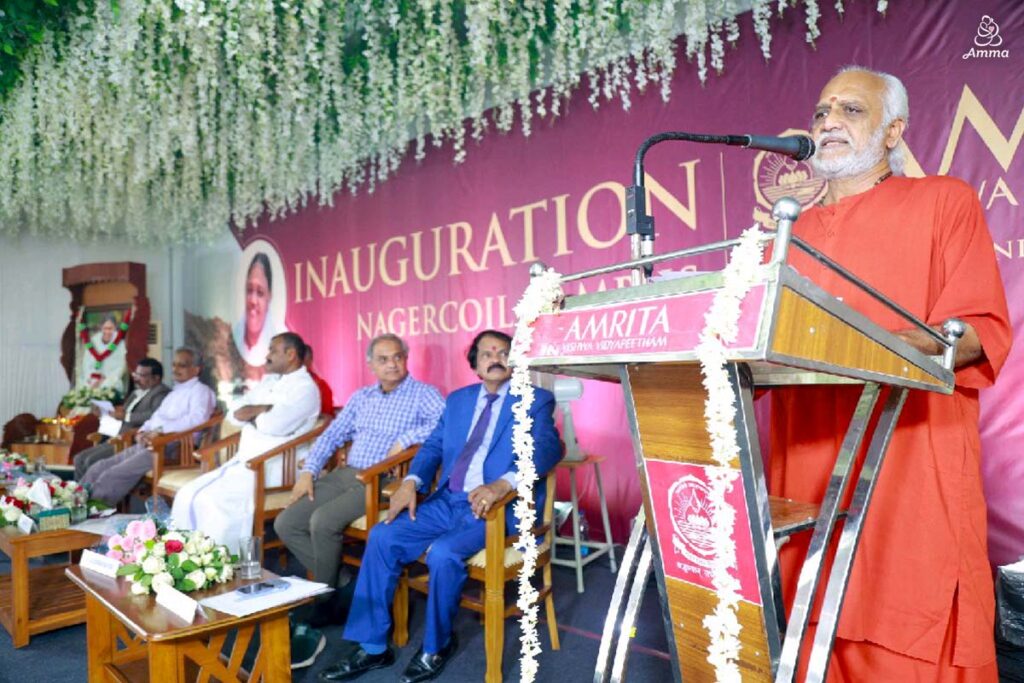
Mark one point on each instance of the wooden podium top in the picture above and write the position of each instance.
(790, 332)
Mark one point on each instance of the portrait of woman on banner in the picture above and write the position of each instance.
(236, 353)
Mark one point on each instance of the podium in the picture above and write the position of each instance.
(790, 332)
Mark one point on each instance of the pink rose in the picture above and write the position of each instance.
(116, 554)
(115, 541)
(148, 531)
(134, 529)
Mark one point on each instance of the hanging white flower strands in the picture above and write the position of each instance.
(542, 295)
(721, 327)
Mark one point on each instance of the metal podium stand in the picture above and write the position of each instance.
(790, 332)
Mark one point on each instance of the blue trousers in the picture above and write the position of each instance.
(445, 524)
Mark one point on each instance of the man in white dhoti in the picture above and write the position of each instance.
(284, 405)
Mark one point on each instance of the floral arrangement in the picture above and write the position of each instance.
(168, 119)
(64, 494)
(154, 557)
(542, 295)
(82, 396)
(11, 510)
(721, 327)
(11, 461)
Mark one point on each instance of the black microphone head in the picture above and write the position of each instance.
(806, 148)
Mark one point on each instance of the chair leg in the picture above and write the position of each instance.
(400, 611)
(549, 603)
(494, 631)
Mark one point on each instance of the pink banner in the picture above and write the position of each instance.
(667, 325)
(440, 250)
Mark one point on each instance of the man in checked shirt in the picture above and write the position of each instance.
(380, 420)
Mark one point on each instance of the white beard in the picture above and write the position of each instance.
(855, 162)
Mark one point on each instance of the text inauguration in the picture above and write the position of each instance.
(456, 248)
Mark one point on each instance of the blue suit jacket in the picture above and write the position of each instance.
(444, 444)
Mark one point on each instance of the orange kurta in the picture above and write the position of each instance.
(924, 244)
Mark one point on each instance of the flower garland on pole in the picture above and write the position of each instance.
(542, 295)
(721, 327)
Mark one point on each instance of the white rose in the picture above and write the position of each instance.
(206, 545)
(161, 581)
(21, 492)
(153, 564)
(139, 589)
(174, 536)
(225, 574)
(12, 514)
(198, 578)
(207, 559)
(211, 573)
(190, 548)
(159, 550)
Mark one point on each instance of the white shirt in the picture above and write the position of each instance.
(188, 405)
(295, 401)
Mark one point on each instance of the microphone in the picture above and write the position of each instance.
(799, 147)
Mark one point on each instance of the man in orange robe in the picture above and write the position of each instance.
(920, 604)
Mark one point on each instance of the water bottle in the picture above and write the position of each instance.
(584, 534)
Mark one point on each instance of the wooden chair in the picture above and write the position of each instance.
(397, 466)
(186, 447)
(495, 566)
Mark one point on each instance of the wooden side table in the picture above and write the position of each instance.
(131, 638)
(52, 452)
(36, 600)
(598, 549)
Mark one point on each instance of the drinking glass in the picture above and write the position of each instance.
(249, 557)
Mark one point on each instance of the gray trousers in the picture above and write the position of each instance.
(90, 456)
(312, 529)
(114, 478)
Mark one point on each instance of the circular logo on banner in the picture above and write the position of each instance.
(691, 511)
(777, 176)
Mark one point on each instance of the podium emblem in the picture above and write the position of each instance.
(691, 514)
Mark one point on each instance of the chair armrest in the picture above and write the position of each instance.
(262, 458)
(207, 455)
(389, 490)
(500, 504)
(94, 438)
(387, 464)
(162, 440)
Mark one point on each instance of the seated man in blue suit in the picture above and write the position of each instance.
(472, 446)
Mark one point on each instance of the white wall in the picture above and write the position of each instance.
(34, 310)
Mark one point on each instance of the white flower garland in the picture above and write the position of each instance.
(542, 295)
(165, 120)
(721, 328)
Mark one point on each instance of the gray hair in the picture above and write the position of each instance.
(895, 105)
(385, 337)
(197, 358)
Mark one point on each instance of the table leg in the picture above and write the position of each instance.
(165, 662)
(99, 637)
(604, 516)
(19, 596)
(576, 530)
(275, 642)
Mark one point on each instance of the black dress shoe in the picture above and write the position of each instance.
(425, 667)
(356, 664)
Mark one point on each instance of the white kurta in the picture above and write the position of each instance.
(221, 503)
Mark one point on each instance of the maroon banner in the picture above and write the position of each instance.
(441, 251)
